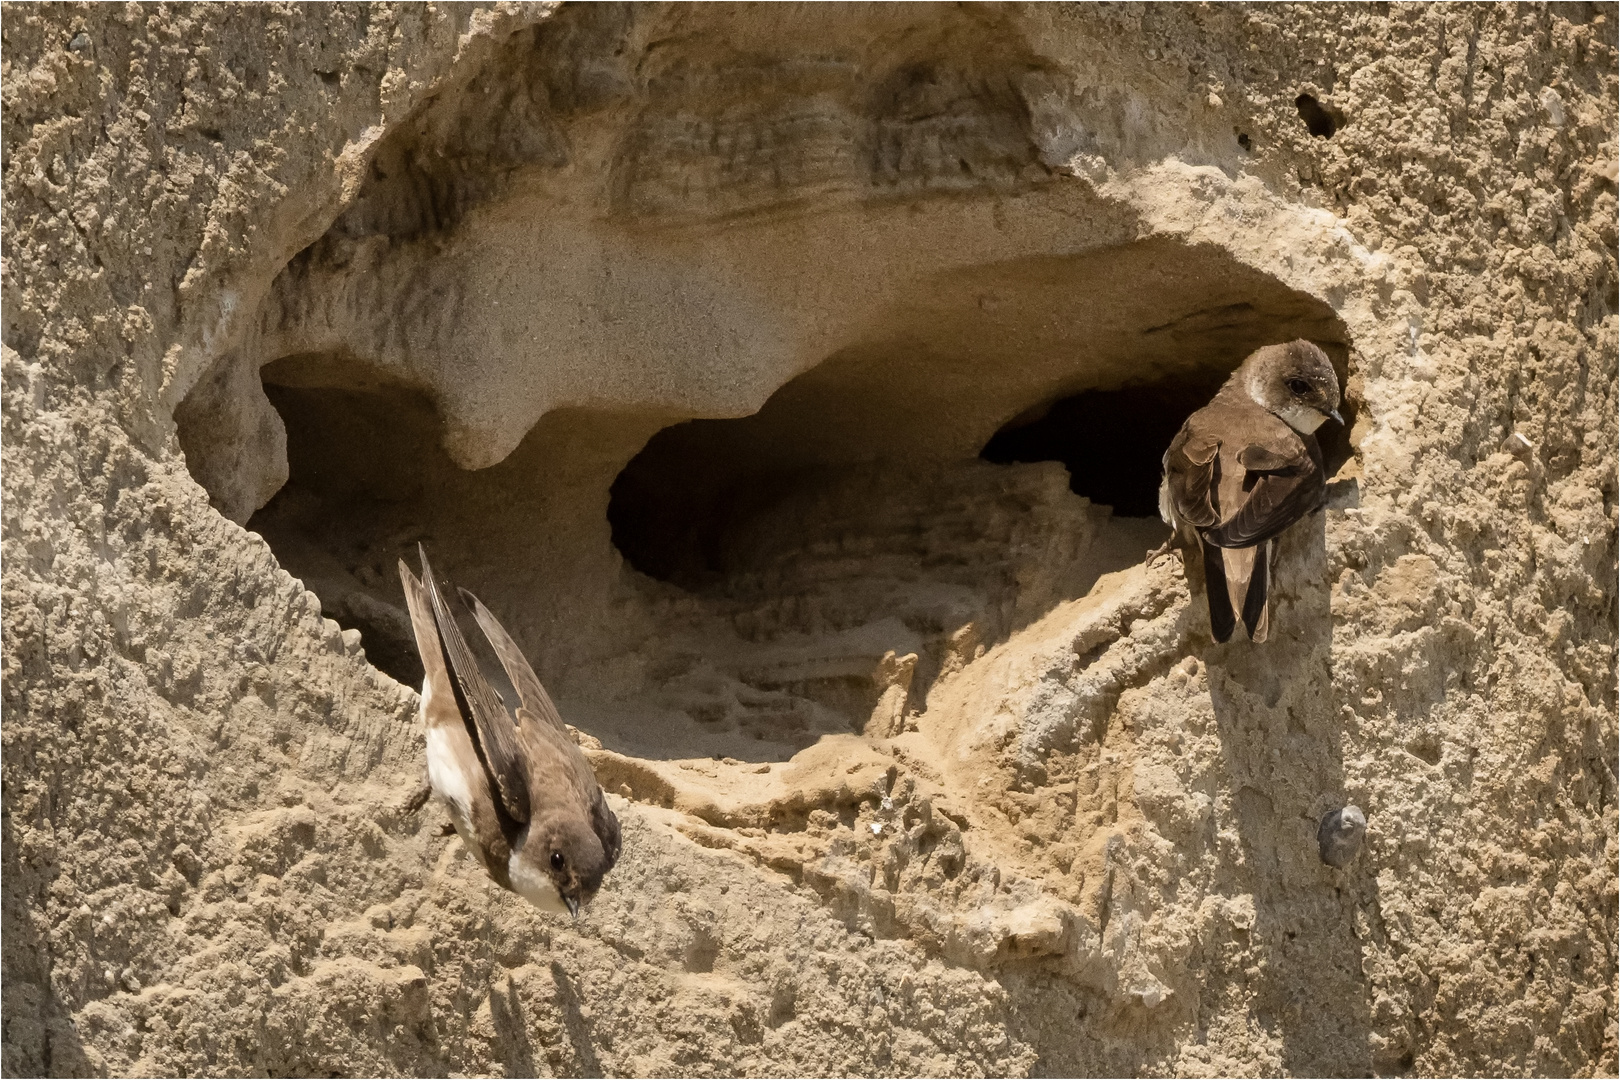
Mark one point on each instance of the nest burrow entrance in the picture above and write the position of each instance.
(903, 502)
(822, 355)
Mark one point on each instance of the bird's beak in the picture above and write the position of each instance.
(1335, 414)
(573, 906)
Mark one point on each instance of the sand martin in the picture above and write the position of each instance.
(517, 786)
(1244, 468)
(1339, 835)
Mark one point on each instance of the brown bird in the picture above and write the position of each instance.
(517, 786)
(1244, 468)
(1339, 835)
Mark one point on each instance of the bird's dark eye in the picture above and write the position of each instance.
(1298, 387)
(556, 860)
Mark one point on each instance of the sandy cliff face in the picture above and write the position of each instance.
(677, 333)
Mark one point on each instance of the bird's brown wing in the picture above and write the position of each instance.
(1189, 468)
(1221, 620)
(569, 775)
(439, 711)
(1261, 459)
(1257, 601)
(605, 823)
(530, 692)
(1291, 487)
(497, 734)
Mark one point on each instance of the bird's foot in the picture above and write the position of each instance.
(1160, 552)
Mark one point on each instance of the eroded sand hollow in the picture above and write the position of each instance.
(734, 356)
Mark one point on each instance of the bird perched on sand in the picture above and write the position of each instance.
(1244, 468)
(519, 791)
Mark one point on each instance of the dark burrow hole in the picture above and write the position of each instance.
(1111, 441)
(675, 505)
(1319, 121)
(344, 448)
(841, 558)
(708, 508)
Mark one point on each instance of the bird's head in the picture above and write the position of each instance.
(1295, 381)
(558, 865)
(1352, 821)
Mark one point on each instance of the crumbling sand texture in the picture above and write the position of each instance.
(676, 332)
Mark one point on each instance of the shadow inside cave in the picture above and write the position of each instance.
(816, 574)
(741, 588)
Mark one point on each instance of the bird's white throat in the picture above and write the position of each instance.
(1302, 418)
(534, 885)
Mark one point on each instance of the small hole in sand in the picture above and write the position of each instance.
(1319, 121)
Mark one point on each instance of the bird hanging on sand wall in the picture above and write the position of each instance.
(1242, 470)
(517, 786)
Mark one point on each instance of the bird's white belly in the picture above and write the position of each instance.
(1167, 505)
(448, 780)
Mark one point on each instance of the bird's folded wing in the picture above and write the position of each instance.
(497, 735)
(530, 692)
(1222, 620)
(1262, 459)
(1189, 468)
(428, 648)
(606, 826)
(569, 774)
(539, 718)
(439, 710)
(1277, 499)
